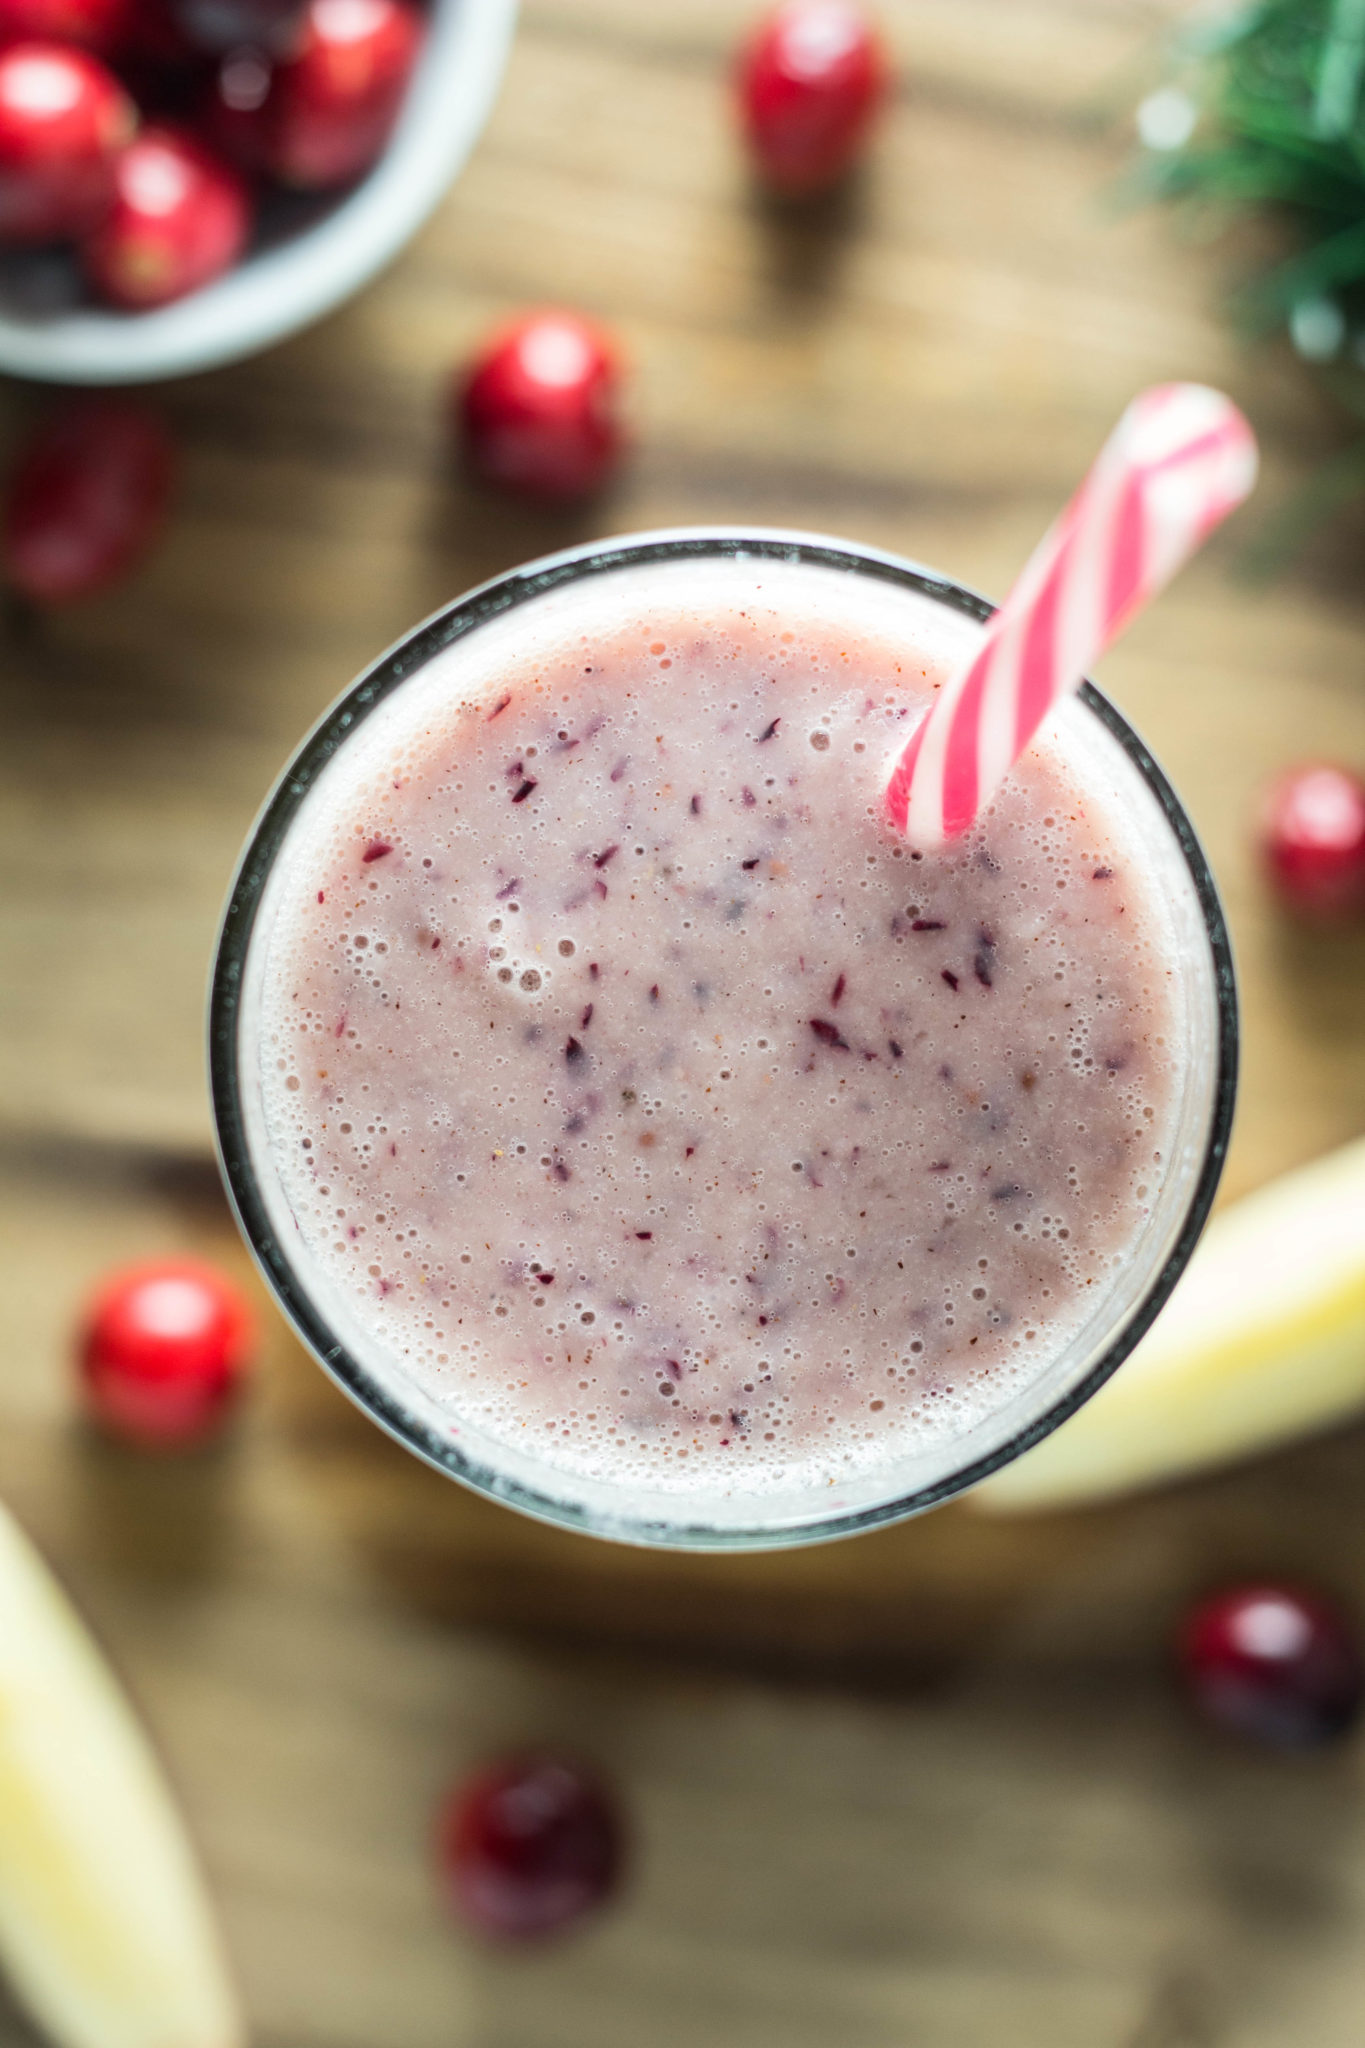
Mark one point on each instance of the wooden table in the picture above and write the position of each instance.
(932, 1787)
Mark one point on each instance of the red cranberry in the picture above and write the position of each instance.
(1313, 830)
(539, 408)
(63, 120)
(328, 108)
(87, 499)
(528, 1845)
(810, 81)
(100, 25)
(164, 1350)
(1274, 1663)
(234, 116)
(180, 218)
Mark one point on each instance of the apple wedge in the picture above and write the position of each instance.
(106, 1934)
(1263, 1340)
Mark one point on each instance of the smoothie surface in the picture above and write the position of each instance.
(657, 1109)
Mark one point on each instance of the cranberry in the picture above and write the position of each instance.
(1313, 832)
(324, 113)
(164, 1350)
(100, 25)
(1274, 1663)
(539, 408)
(87, 499)
(810, 81)
(63, 120)
(528, 1845)
(180, 218)
(233, 116)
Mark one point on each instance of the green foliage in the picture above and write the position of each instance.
(1273, 97)
(1265, 111)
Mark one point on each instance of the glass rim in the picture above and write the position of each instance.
(267, 837)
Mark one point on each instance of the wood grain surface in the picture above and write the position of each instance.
(932, 1787)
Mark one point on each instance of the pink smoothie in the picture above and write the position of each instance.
(652, 1107)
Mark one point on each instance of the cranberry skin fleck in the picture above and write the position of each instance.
(810, 81)
(529, 1845)
(99, 25)
(1313, 840)
(164, 1350)
(87, 499)
(539, 408)
(1275, 1663)
(330, 106)
(180, 218)
(64, 117)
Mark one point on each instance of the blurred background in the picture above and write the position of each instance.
(934, 1786)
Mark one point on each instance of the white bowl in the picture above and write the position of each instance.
(46, 333)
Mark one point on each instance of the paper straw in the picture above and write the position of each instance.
(1181, 458)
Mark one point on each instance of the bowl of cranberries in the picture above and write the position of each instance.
(184, 182)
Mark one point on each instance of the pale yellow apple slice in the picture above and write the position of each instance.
(1263, 1340)
(106, 1934)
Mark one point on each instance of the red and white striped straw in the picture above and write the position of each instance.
(1181, 458)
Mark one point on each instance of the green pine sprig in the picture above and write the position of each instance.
(1265, 111)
